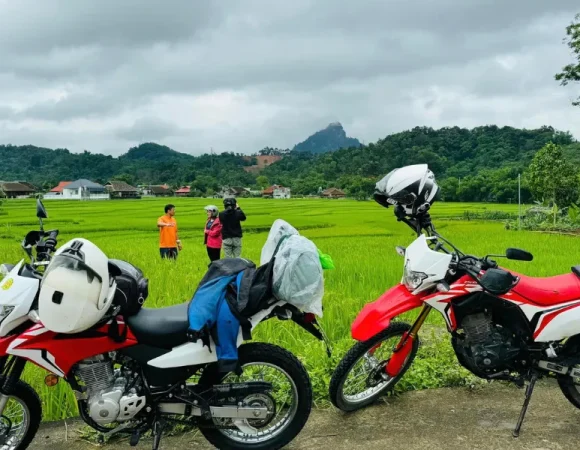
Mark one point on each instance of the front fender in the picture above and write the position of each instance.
(376, 316)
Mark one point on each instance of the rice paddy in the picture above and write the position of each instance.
(360, 237)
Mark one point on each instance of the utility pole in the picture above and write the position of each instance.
(519, 201)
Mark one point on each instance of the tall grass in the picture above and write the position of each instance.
(360, 236)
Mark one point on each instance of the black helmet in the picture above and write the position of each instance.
(230, 202)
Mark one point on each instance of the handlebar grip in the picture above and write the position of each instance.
(50, 243)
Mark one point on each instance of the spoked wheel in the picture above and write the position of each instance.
(21, 417)
(360, 378)
(570, 387)
(288, 404)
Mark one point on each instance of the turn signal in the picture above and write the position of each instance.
(51, 380)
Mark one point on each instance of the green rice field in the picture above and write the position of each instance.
(360, 237)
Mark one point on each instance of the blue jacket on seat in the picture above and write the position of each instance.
(229, 287)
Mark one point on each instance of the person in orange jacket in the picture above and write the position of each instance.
(169, 243)
(213, 233)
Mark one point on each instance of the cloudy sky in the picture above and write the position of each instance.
(241, 75)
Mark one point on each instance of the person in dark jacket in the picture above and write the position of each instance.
(231, 219)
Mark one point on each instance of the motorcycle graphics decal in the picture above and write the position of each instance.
(7, 284)
(40, 346)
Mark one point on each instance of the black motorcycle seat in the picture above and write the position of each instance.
(161, 327)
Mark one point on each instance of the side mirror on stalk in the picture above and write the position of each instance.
(41, 212)
(400, 250)
(518, 254)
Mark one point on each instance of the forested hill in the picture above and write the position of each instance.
(452, 153)
(332, 138)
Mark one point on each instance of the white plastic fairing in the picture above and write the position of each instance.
(555, 326)
(194, 353)
(18, 293)
(420, 258)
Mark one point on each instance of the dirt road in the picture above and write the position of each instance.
(480, 419)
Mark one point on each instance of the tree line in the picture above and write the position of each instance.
(479, 164)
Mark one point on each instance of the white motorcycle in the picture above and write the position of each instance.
(135, 373)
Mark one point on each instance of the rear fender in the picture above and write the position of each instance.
(376, 316)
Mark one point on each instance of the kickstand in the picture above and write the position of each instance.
(157, 432)
(529, 392)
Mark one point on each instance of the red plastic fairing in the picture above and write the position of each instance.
(4, 343)
(376, 316)
(57, 353)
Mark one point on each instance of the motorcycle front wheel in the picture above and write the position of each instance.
(21, 417)
(360, 378)
(289, 403)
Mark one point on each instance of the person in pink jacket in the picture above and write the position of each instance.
(213, 233)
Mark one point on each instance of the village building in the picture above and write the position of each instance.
(15, 189)
(82, 189)
(122, 190)
(333, 193)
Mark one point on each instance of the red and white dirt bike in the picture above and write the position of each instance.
(135, 375)
(503, 325)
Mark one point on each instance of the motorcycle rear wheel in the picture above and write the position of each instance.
(277, 433)
(372, 382)
(570, 389)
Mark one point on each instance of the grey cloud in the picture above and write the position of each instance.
(149, 129)
(32, 26)
(377, 66)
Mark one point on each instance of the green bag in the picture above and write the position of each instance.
(325, 260)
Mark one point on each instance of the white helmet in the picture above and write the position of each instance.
(411, 187)
(214, 210)
(76, 290)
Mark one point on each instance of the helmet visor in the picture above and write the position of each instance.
(66, 261)
(404, 197)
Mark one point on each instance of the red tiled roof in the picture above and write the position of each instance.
(270, 190)
(184, 190)
(60, 186)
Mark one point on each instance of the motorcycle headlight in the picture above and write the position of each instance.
(413, 280)
(5, 312)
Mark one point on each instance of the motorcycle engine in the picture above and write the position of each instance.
(108, 399)
(487, 347)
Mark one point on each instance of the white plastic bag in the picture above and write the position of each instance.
(280, 228)
(298, 277)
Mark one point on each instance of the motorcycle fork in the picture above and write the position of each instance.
(405, 345)
(7, 388)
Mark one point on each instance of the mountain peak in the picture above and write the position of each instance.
(331, 138)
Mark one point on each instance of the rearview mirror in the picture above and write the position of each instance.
(40, 210)
(518, 255)
(400, 250)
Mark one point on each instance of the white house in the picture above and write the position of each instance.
(281, 192)
(84, 190)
